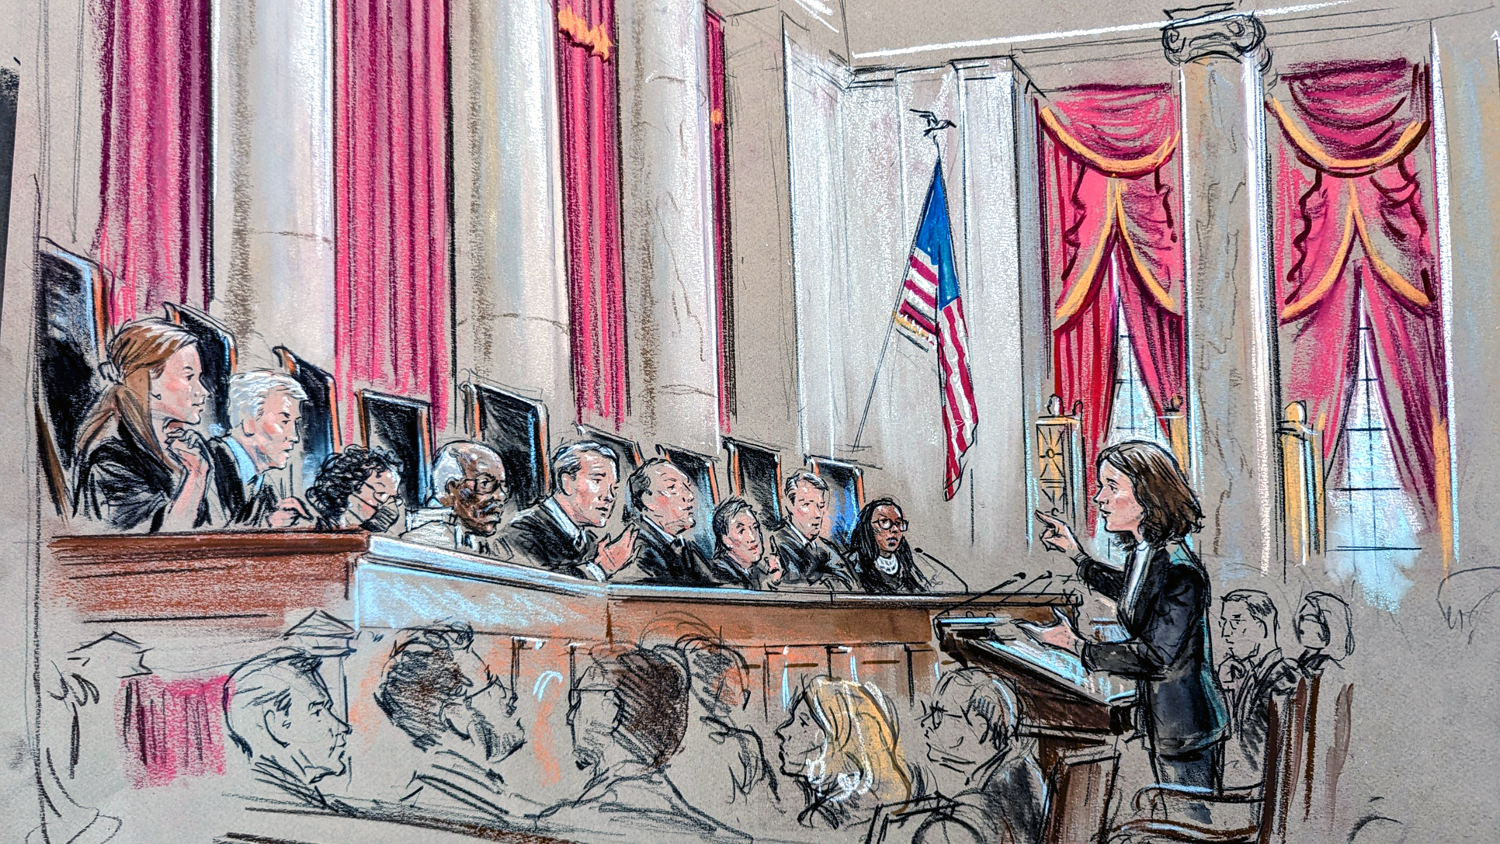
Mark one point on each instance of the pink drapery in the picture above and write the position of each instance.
(1109, 172)
(171, 729)
(391, 199)
(1355, 234)
(153, 234)
(588, 93)
(718, 134)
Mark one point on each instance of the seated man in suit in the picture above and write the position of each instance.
(806, 557)
(1255, 673)
(996, 783)
(279, 713)
(470, 483)
(264, 408)
(555, 534)
(664, 503)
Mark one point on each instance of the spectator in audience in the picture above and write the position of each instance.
(882, 558)
(357, 488)
(741, 558)
(1325, 630)
(555, 534)
(278, 711)
(664, 553)
(1247, 620)
(971, 738)
(841, 744)
(471, 489)
(141, 466)
(264, 408)
(438, 691)
(807, 557)
(724, 765)
(628, 715)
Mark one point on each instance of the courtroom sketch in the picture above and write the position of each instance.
(706, 420)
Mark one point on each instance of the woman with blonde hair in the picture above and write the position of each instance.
(141, 465)
(841, 743)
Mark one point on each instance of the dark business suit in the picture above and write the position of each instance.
(1167, 655)
(667, 563)
(243, 507)
(540, 540)
(121, 482)
(814, 562)
(1271, 677)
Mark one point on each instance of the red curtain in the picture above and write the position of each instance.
(153, 234)
(1354, 233)
(1109, 174)
(588, 92)
(718, 133)
(391, 199)
(171, 729)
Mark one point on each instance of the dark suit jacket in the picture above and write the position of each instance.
(1007, 806)
(540, 540)
(815, 562)
(122, 483)
(667, 564)
(242, 507)
(1167, 650)
(1272, 676)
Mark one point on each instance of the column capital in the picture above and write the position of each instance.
(1225, 36)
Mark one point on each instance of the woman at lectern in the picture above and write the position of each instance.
(1163, 603)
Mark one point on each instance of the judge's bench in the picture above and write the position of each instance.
(533, 629)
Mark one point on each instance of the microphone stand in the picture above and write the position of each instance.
(944, 566)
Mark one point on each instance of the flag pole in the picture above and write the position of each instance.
(890, 323)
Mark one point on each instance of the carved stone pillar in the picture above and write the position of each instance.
(1233, 393)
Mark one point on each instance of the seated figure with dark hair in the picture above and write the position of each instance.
(357, 488)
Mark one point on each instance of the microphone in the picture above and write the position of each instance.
(990, 591)
(961, 581)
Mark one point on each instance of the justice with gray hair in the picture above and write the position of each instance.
(448, 467)
(568, 459)
(248, 391)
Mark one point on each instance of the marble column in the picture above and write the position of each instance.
(1233, 392)
(510, 276)
(273, 267)
(671, 319)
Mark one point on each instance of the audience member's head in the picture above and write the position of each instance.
(264, 409)
(972, 719)
(663, 493)
(806, 502)
(1247, 620)
(720, 676)
(1142, 489)
(584, 477)
(633, 705)
(152, 373)
(1325, 624)
(278, 711)
(841, 739)
(469, 480)
(438, 691)
(737, 532)
(881, 531)
(358, 487)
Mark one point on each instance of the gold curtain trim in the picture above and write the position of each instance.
(1346, 167)
(1354, 223)
(1113, 167)
(1444, 481)
(1163, 300)
(596, 38)
(1085, 281)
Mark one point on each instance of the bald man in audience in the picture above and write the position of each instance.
(470, 483)
(806, 556)
(664, 503)
(556, 534)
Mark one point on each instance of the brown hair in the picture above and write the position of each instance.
(1170, 509)
(138, 353)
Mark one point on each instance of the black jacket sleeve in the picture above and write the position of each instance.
(1174, 616)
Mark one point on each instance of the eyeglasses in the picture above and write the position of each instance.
(487, 485)
(887, 524)
(378, 497)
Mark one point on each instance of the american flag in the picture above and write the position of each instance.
(931, 314)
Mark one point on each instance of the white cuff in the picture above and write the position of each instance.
(593, 570)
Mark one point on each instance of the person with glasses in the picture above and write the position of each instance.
(882, 558)
(357, 488)
(471, 494)
(459, 714)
